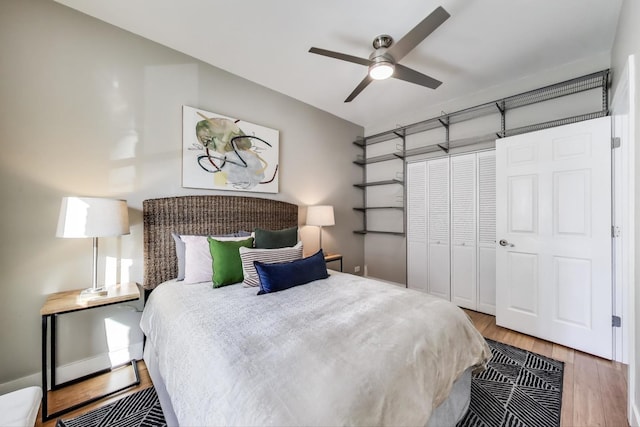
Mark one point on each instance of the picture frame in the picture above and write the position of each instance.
(224, 153)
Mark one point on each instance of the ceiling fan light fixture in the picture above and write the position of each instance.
(382, 61)
(381, 70)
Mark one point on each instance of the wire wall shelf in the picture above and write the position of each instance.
(383, 158)
(598, 80)
(553, 123)
(374, 183)
(394, 233)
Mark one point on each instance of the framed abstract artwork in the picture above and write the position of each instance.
(223, 153)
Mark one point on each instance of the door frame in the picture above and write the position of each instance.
(624, 211)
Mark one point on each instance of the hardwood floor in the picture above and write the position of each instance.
(594, 390)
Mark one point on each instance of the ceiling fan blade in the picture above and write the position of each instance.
(338, 55)
(413, 38)
(412, 76)
(364, 83)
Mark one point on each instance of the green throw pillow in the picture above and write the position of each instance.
(275, 239)
(227, 265)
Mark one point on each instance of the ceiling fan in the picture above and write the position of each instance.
(383, 62)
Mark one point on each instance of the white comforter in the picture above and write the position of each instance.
(340, 351)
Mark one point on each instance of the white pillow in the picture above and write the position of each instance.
(198, 264)
(268, 256)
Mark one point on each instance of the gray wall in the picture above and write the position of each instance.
(627, 42)
(89, 109)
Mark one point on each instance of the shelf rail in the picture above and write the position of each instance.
(597, 80)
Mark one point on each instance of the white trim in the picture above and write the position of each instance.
(622, 215)
(623, 104)
(78, 369)
(631, 282)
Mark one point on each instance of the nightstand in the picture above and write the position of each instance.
(334, 257)
(68, 302)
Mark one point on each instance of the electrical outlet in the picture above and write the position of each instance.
(356, 269)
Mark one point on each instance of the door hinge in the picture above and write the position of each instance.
(615, 142)
(615, 231)
(616, 321)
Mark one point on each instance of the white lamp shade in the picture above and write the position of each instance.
(92, 217)
(321, 215)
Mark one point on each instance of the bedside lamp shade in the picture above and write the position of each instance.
(93, 217)
(320, 216)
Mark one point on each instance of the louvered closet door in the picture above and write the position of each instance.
(463, 231)
(486, 257)
(438, 228)
(417, 270)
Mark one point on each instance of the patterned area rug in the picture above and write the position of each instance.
(518, 389)
(139, 409)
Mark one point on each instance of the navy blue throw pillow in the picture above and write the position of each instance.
(284, 275)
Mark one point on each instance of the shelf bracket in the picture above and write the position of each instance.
(445, 124)
(605, 91)
(503, 110)
(443, 148)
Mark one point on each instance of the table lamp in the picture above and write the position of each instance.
(94, 217)
(320, 216)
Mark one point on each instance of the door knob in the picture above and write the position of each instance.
(505, 243)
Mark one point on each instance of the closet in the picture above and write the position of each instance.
(451, 219)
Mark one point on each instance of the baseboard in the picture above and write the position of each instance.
(78, 369)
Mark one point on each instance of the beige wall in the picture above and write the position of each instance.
(89, 109)
(627, 42)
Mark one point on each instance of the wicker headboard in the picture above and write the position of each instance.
(202, 215)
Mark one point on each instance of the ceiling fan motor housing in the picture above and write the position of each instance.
(382, 63)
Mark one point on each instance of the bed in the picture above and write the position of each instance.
(344, 350)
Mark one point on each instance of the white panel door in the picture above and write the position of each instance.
(463, 231)
(486, 255)
(553, 263)
(417, 226)
(438, 228)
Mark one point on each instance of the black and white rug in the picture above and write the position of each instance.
(519, 389)
(139, 409)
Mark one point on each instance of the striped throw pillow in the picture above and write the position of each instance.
(267, 256)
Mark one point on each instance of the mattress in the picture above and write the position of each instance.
(343, 350)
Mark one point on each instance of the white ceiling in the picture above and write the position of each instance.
(483, 44)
